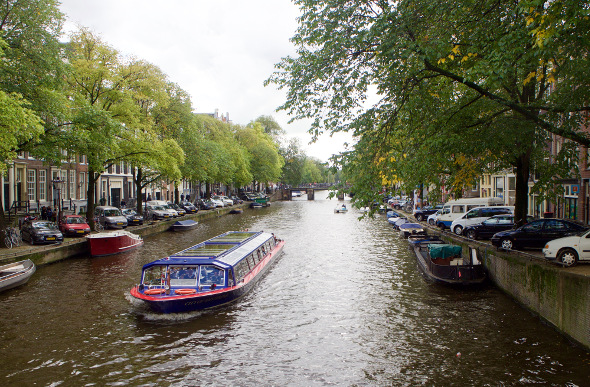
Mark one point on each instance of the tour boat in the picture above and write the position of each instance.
(15, 274)
(209, 274)
(114, 242)
(445, 263)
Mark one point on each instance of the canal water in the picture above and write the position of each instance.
(344, 305)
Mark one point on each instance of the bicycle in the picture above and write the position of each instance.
(14, 235)
(97, 226)
(7, 239)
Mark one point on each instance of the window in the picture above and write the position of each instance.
(154, 276)
(500, 187)
(211, 275)
(42, 184)
(64, 186)
(31, 184)
(83, 185)
(72, 183)
(183, 275)
(458, 209)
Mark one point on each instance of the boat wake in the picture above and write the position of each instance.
(142, 309)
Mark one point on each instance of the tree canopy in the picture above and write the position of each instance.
(463, 86)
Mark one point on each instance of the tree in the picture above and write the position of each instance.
(294, 159)
(264, 158)
(449, 74)
(112, 102)
(31, 81)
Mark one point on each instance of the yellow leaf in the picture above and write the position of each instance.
(441, 60)
(529, 77)
(456, 50)
(451, 57)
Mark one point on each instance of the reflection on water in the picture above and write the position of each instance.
(345, 304)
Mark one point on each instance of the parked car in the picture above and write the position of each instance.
(536, 233)
(224, 199)
(236, 200)
(110, 217)
(423, 213)
(133, 218)
(74, 225)
(217, 202)
(156, 212)
(490, 226)
(205, 204)
(431, 220)
(568, 250)
(179, 210)
(164, 204)
(478, 215)
(189, 207)
(41, 232)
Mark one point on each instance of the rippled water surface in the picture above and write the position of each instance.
(344, 305)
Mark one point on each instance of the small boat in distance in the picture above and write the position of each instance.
(114, 242)
(341, 209)
(183, 225)
(16, 274)
(209, 274)
(445, 263)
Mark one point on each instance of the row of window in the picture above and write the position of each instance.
(38, 186)
(245, 265)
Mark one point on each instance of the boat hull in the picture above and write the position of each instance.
(183, 225)
(210, 299)
(110, 243)
(16, 274)
(458, 275)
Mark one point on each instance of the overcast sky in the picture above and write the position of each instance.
(219, 51)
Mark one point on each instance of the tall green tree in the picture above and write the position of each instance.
(265, 162)
(112, 102)
(463, 85)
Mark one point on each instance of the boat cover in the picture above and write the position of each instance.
(443, 251)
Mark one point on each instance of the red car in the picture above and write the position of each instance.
(74, 225)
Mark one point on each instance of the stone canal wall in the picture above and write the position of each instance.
(560, 296)
(72, 247)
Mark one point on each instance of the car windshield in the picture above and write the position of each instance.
(112, 212)
(159, 208)
(45, 226)
(129, 212)
(75, 220)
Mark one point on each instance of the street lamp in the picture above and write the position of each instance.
(57, 182)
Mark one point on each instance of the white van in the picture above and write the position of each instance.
(478, 215)
(454, 209)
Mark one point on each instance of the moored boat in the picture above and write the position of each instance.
(408, 229)
(114, 242)
(445, 263)
(183, 225)
(16, 274)
(209, 274)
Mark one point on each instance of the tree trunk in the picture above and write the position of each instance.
(137, 182)
(522, 171)
(92, 179)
